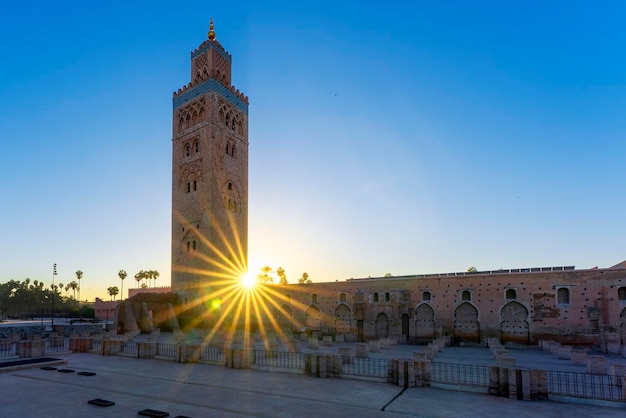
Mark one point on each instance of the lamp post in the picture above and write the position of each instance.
(54, 273)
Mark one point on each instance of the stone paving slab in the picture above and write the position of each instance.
(202, 390)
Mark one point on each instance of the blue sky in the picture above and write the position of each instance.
(404, 137)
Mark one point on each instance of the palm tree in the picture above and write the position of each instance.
(73, 285)
(79, 275)
(281, 275)
(149, 276)
(122, 275)
(139, 277)
(155, 275)
(113, 291)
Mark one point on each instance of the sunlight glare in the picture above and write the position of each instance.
(248, 279)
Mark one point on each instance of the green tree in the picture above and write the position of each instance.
(122, 275)
(472, 269)
(388, 275)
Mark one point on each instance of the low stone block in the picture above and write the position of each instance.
(340, 338)
(327, 340)
(596, 365)
(578, 357)
(80, 345)
(111, 347)
(362, 350)
(34, 348)
(313, 343)
(374, 346)
(146, 349)
(565, 352)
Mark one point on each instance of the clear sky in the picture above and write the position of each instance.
(385, 137)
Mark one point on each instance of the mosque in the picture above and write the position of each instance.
(210, 238)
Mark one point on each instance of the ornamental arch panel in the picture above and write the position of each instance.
(424, 321)
(285, 317)
(382, 326)
(343, 319)
(514, 323)
(312, 318)
(466, 325)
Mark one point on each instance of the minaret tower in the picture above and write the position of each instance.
(209, 175)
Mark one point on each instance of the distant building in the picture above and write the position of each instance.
(210, 239)
(105, 309)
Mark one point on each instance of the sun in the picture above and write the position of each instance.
(248, 279)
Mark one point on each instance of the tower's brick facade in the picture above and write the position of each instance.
(209, 175)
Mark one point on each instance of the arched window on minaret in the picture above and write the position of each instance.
(227, 119)
(227, 148)
(232, 151)
(196, 146)
(187, 150)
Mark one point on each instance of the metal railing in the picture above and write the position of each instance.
(279, 359)
(584, 385)
(459, 374)
(8, 349)
(167, 350)
(212, 353)
(129, 347)
(369, 367)
(57, 345)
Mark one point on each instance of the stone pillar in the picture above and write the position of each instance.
(237, 357)
(362, 350)
(618, 371)
(80, 344)
(31, 348)
(111, 347)
(578, 356)
(188, 353)
(494, 380)
(402, 375)
(596, 365)
(322, 366)
(538, 385)
(503, 380)
(346, 354)
(146, 349)
(515, 384)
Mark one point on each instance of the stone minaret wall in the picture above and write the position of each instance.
(209, 175)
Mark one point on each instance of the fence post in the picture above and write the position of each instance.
(494, 380)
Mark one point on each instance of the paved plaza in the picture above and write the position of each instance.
(204, 390)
